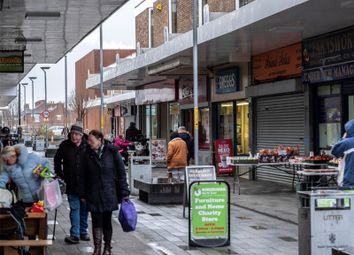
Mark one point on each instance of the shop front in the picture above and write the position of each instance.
(157, 105)
(231, 109)
(185, 100)
(328, 62)
(278, 104)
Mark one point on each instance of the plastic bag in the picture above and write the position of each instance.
(51, 194)
(127, 216)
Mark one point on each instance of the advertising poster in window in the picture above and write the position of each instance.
(223, 149)
(158, 150)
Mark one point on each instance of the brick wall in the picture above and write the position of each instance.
(184, 15)
(142, 29)
(160, 20)
(221, 5)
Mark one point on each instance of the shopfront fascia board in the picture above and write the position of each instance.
(275, 88)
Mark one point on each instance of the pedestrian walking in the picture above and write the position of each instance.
(345, 149)
(186, 136)
(132, 133)
(104, 185)
(17, 166)
(176, 157)
(68, 165)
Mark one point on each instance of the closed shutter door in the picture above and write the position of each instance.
(280, 120)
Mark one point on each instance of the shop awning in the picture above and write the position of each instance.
(258, 27)
(46, 31)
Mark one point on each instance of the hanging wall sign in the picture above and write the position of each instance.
(227, 81)
(209, 218)
(11, 62)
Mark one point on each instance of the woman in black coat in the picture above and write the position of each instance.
(104, 185)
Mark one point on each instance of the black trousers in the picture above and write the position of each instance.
(102, 220)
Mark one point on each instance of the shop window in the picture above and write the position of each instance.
(242, 127)
(351, 107)
(173, 16)
(204, 128)
(225, 120)
(329, 121)
(151, 27)
(153, 123)
(174, 117)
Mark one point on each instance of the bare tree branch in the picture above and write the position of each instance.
(78, 103)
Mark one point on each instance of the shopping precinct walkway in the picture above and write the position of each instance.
(265, 227)
(263, 221)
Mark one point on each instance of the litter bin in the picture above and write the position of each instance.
(325, 221)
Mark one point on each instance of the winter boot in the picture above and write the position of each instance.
(107, 237)
(97, 240)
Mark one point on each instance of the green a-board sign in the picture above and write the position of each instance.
(209, 218)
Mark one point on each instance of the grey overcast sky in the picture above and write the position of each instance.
(118, 33)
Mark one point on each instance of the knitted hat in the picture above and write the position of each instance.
(77, 128)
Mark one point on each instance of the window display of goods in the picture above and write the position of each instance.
(278, 154)
(320, 159)
(244, 160)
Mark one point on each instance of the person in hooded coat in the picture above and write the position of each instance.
(103, 186)
(345, 149)
(18, 166)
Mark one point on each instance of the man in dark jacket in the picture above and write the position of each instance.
(67, 165)
(132, 133)
(184, 134)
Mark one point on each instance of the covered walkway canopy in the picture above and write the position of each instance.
(46, 30)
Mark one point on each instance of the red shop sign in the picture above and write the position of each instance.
(223, 149)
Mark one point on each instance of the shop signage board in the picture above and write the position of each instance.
(227, 81)
(223, 148)
(185, 90)
(196, 173)
(329, 57)
(199, 173)
(11, 62)
(209, 217)
(284, 62)
(159, 92)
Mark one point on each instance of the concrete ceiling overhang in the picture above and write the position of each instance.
(44, 36)
(258, 27)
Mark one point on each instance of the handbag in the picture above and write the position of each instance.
(127, 216)
(51, 193)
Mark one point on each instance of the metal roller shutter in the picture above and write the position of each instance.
(280, 120)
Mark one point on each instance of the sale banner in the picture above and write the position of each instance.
(223, 149)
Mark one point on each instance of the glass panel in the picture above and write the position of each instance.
(225, 120)
(329, 121)
(244, 2)
(336, 89)
(351, 107)
(324, 90)
(242, 128)
(153, 121)
(174, 117)
(204, 127)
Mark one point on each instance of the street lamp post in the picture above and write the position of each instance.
(32, 81)
(195, 82)
(19, 106)
(44, 69)
(24, 108)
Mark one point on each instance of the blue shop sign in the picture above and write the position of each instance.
(329, 57)
(227, 81)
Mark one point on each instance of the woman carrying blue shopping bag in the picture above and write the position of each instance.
(103, 186)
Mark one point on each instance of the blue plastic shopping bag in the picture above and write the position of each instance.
(127, 216)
